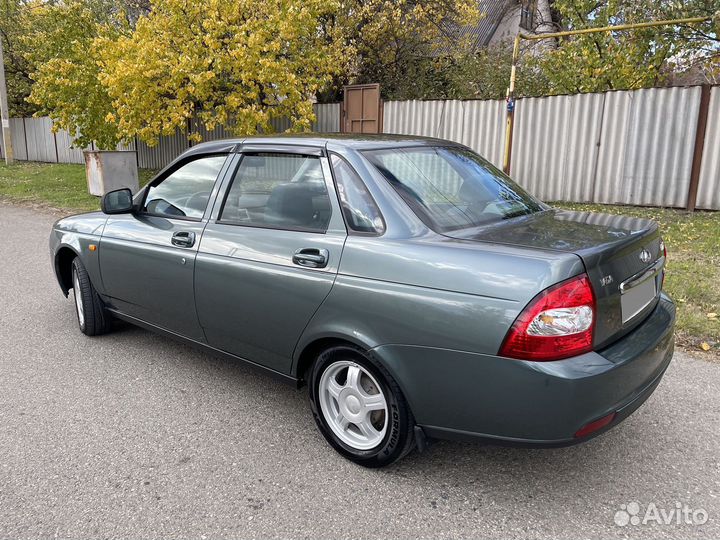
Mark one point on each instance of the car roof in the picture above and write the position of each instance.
(349, 140)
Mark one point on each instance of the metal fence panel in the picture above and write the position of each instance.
(659, 157)
(474, 123)
(483, 129)
(40, 140)
(709, 186)
(414, 117)
(126, 146)
(167, 149)
(646, 147)
(17, 136)
(613, 143)
(327, 118)
(555, 145)
(618, 147)
(217, 133)
(43, 145)
(280, 125)
(65, 151)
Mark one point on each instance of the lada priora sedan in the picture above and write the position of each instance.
(415, 289)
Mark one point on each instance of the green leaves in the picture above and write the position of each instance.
(626, 60)
(403, 44)
(411, 68)
(17, 68)
(66, 87)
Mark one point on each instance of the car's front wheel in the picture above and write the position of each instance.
(92, 316)
(359, 408)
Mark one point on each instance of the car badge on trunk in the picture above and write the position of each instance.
(645, 256)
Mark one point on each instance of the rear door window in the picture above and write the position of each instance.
(279, 191)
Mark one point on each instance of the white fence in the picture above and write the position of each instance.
(709, 187)
(617, 147)
(33, 140)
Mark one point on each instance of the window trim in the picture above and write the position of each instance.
(253, 147)
(349, 227)
(177, 166)
(232, 175)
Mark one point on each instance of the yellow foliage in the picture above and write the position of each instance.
(59, 38)
(236, 63)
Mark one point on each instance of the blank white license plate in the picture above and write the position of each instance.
(634, 300)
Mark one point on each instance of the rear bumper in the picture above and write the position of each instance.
(460, 395)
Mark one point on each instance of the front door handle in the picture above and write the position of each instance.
(183, 239)
(311, 257)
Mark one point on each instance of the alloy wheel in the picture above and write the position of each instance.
(353, 405)
(78, 300)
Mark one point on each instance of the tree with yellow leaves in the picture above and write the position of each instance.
(105, 75)
(66, 85)
(235, 63)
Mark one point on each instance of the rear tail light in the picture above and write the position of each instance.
(557, 323)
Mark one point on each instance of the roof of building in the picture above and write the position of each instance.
(479, 35)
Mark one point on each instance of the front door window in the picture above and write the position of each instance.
(185, 192)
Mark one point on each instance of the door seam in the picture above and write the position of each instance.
(310, 319)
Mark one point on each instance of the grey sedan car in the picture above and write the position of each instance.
(415, 289)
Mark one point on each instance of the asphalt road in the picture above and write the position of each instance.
(131, 435)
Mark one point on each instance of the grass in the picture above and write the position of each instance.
(59, 186)
(693, 268)
(693, 240)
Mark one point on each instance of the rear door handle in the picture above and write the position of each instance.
(183, 239)
(311, 257)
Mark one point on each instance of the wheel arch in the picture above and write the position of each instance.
(311, 348)
(63, 267)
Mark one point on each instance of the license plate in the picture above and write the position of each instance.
(634, 300)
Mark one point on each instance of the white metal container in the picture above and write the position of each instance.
(108, 170)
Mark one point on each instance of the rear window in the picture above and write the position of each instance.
(452, 188)
(278, 191)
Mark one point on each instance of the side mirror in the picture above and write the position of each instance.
(118, 201)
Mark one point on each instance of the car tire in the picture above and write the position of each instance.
(92, 316)
(363, 413)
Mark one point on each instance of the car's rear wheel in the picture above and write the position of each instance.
(359, 408)
(92, 316)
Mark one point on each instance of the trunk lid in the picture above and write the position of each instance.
(622, 255)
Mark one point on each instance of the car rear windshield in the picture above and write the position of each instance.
(452, 188)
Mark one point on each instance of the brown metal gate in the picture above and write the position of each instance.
(362, 109)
